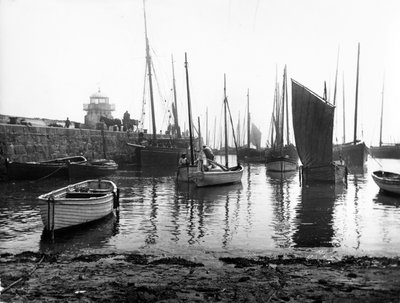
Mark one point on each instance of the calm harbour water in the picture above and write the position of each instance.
(265, 213)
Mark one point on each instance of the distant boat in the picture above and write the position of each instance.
(246, 152)
(385, 151)
(43, 169)
(78, 203)
(387, 181)
(213, 173)
(355, 153)
(313, 130)
(92, 169)
(281, 156)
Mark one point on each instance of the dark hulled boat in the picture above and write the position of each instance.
(153, 150)
(36, 170)
(355, 153)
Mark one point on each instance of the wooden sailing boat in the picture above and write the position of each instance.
(355, 153)
(281, 156)
(212, 173)
(185, 173)
(386, 151)
(161, 150)
(313, 130)
(247, 153)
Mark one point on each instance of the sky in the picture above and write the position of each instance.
(54, 54)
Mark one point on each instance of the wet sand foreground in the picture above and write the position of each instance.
(147, 278)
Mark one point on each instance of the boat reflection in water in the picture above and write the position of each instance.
(205, 208)
(88, 236)
(314, 215)
(387, 199)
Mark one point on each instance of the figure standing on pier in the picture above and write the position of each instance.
(126, 120)
(67, 123)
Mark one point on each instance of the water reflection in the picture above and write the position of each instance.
(283, 205)
(266, 211)
(203, 207)
(90, 236)
(314, 216)
(387, 199)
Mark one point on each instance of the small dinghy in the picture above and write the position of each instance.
(387, 181)
(78, 203)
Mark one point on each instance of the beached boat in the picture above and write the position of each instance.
(313, 131)
(387, 181)
(43, 169)
(92, 169)
(78, 203)
(281, 155)
(212, 173)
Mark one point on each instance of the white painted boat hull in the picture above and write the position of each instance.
(387, 184)
(59, 211)
(218, 177)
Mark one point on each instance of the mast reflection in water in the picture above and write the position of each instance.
(266, 212)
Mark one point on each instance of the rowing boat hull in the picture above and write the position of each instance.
(387, 181)
(59, 211)
(37, 170)
(218, 177)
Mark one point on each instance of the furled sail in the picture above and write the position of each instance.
(313, 126)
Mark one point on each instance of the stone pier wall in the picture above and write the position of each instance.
(26, 143)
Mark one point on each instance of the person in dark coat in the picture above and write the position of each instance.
(67, 123)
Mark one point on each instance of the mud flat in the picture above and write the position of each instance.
(34, 277)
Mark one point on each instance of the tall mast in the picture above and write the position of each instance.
(149, 64)
(215, 132)
(248, 119)
(380, 132)
(225, 125)
(287, 109)
(336, 75)
(344, 114)
(282, 111)
(356, 103)
(178, 129)
(189, 113)
(207, 143)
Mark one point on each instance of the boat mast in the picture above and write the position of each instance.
(225, 125)
(207, 143)
(380, 131)
(189, 113)
(287, 108)
(356, 103)
(248, 120)
(344, 114)
(178, 129)
(149, 64)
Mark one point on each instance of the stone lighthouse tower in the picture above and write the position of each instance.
(99, 106)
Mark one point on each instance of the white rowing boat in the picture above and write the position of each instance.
(78, 203)
(387, 181)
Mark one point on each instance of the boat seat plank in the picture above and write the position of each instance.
(84, 195)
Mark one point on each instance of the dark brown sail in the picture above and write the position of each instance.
(313, 130)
